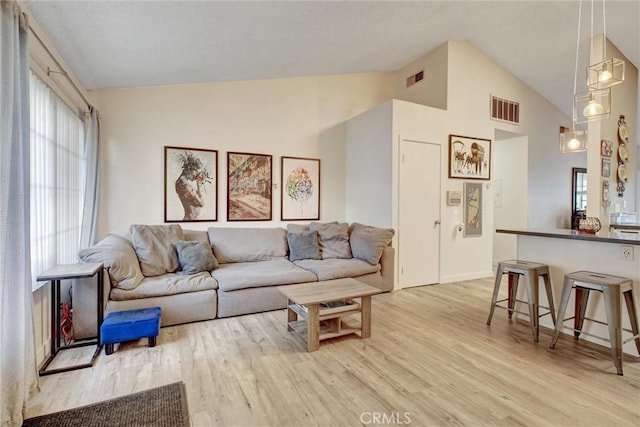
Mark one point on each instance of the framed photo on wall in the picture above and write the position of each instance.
(249, 178)
(469, 158)
(606, 168)
(472, 209)
(300, 196)
(190, 184)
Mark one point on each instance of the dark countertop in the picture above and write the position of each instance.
(626, 226)
(558, 233)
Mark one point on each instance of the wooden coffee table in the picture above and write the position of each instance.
(317, 311)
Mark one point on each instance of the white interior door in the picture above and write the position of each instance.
(419, 214)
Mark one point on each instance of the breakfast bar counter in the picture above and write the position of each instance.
(560, 233)
(565, 251)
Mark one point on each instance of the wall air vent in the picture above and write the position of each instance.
(411, 80)
(505, 110)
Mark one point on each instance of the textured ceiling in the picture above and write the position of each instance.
(111, 44)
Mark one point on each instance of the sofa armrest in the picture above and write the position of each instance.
(85, 299)
(387, 270)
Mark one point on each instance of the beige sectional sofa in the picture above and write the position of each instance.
(147, 270)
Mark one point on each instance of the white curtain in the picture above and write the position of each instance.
(18, 371)
(92, 176)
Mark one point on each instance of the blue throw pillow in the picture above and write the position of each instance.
(303, 245)
(195, 256)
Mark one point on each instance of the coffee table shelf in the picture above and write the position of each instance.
(350, 307)
(327, 329)
(319, 311)
(332, 320)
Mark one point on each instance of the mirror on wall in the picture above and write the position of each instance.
(578, 196)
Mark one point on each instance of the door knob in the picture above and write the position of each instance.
(436, 222)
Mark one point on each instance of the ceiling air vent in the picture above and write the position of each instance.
(411, 80)
(505, 110)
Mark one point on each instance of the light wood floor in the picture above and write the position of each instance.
(431, 360)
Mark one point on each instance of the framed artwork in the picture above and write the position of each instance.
(469, 158)
(606, 148)
(606, 168)
(472, 209)
(605, 194)
(190, 184)
(300, 196)
(249, 179)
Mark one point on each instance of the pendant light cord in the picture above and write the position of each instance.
(604, 32)
(575, 75)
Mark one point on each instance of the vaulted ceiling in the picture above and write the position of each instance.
(112, 44)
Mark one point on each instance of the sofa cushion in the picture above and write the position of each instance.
(195, 256)
(367, 243)
(328, 269)
(195, 235)
(119, 259)
(241, 275)
(167, 284)
(248, 244)
(303, 245)
(334, 239)
(155, 247)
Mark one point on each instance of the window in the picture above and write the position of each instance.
(57, 190)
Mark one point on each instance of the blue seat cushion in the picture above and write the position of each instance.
(130, 325)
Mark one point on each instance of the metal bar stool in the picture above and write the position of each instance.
(532, 272)
(612, 288)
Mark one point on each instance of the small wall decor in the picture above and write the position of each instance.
(190, 184)
(606, 168)
(606, 148)
(622, 175)
(454, 198)
(605, 194)
(300, 196)
(469, 158)
(472, 209)
(249, 179)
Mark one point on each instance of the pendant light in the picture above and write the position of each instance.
(610, 71)
(573, 141)
(595, 104)
(592, 108)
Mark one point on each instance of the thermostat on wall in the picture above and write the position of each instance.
(454, 198)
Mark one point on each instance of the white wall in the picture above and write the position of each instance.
(369, 180)
(624, 101)
(473, 78)
(292, 117)
(432, 90)
(510, 193)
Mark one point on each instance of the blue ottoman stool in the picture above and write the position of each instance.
(130, 325)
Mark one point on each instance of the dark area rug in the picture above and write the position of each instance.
(162, 406)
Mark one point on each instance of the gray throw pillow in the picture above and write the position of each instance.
(195, 256)
(119, 259)
(367, 243)
(303, 245)
(297, 228)
(156, 247)
(334, 239)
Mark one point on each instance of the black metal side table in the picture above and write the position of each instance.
(65, 272)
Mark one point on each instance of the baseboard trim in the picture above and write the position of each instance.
(467, 276)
